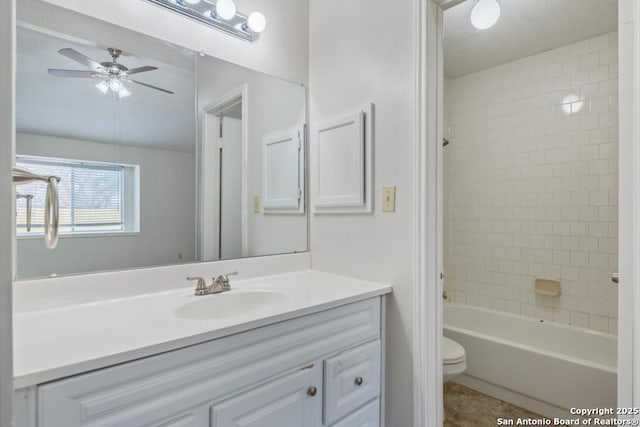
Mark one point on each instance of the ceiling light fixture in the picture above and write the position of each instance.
(485, 14)
(219, 14)
(111, 73)
(114, 85)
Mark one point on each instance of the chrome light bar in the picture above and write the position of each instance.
(204, 11)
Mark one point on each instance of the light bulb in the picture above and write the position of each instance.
(103, 86)
(124, 92)
(256, 22)
(115, 85)
(485, 14)
(191, 1)
(225, 9)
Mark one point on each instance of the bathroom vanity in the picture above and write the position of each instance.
(286, 346)
(311, 355)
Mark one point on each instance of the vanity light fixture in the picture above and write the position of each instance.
(219, 14)
(225, 9)
(485, 14)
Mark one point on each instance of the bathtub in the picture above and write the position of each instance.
(542, 366)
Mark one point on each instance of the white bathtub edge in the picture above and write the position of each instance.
(583, 362)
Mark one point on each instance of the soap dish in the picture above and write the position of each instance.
(547, 287)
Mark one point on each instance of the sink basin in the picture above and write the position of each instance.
(230, 304)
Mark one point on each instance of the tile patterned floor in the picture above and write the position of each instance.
(464, 407)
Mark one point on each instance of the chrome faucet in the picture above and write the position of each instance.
(220, 284)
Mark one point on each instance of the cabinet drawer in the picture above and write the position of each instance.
(367, 416)
(352, 378)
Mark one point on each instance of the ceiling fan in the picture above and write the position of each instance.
(112, 74)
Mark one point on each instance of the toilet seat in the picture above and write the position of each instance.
(452, 352)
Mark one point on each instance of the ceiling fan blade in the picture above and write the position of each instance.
(71, 73)
(152, 87)
(80, 58)
(140, 70)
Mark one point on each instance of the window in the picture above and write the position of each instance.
(93, 197)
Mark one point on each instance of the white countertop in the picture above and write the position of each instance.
(58, 342)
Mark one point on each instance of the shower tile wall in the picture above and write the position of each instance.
(531, 184)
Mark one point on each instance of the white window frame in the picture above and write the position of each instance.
(130, 195)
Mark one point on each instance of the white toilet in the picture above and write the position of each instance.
(454, 359)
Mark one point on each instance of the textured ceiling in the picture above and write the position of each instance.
(525, 27)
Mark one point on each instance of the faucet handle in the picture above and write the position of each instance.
(223, 280)
(226, 278)
(201, 286)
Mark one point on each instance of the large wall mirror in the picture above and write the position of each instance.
(165, 156)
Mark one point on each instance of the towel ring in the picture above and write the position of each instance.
(51, 205)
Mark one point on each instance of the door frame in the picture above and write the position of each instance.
(7, 198)
(629, 205)
(428, 407)
(209, 182)
(427, 319)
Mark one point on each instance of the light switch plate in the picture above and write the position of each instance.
(256, 204)
(389, 199)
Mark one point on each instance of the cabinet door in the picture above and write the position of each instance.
(294, 400)
(367, 416)
(352, 378)
(188, 419)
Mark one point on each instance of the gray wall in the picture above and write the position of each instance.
(167, 212)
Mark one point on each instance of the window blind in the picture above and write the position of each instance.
(91, 196)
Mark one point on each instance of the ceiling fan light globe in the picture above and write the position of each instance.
(103, 87)
(124, 92)
(115, 85)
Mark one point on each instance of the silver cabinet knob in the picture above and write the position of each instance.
(311, 391)
(359, 381)
(614, 277)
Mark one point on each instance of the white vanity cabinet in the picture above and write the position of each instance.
(285, 402)
(318, 370)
